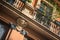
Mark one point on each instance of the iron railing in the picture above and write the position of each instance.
(53, 27)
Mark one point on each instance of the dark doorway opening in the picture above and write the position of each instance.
(4, 28)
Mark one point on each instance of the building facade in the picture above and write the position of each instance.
(21, 21)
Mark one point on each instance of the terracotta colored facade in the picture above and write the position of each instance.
(16, 35)
(34, 3)
(35, 31)
(58, 19)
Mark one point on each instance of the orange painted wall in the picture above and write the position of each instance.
(16, 36)
(34, 3)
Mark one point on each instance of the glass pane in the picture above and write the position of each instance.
(2, 31)
(42, 4)
(47, 9)
(41, 9)
(24, 1)
(10, 1)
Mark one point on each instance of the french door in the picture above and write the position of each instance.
(4, 28)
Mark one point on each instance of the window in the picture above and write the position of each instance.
(10, 1)
(3, 30)
(45, 14)
(49, 12)
(57, 22)
(41, 9)
(46, 10)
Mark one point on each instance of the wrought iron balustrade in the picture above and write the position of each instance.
(17, 3)
(53, 27)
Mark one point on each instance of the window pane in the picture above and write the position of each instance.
(4, 28)
(2, 31)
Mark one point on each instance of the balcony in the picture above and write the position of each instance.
(40, 21)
